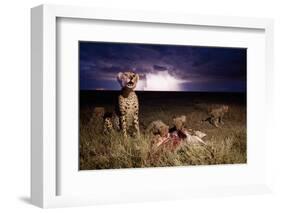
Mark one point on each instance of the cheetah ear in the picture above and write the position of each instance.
(119, 76)
(137, 77)
(183, 118)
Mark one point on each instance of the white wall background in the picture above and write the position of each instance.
(15, 104)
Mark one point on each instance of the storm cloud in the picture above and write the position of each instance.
(193, 68)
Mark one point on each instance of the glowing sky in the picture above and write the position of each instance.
(163, 67)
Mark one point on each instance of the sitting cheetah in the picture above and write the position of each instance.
(216, 115)
(127, 109)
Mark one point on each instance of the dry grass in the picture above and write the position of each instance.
(223, 146)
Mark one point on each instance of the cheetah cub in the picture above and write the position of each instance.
(128, 104)
(158, 127)
(216, 115)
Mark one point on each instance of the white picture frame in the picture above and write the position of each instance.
(44, 154)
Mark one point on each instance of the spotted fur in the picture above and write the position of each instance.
(111, 123)
(107, 126)
(127, 107)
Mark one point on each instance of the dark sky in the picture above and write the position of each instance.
(163, 67)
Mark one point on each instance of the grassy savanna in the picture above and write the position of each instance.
(225, 145)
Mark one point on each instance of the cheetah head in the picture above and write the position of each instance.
(128, 79)
(225, 108)
(179, 122)
(163, 130)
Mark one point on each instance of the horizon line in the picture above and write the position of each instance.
(164, 91)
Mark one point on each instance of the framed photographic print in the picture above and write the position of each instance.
(140, 103)
(129, 106)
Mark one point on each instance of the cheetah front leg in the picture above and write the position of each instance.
(215, 122)
(107, 126)
(220, 120)
(136, 124)
(123, 125)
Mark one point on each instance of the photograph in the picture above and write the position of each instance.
(145, 105)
